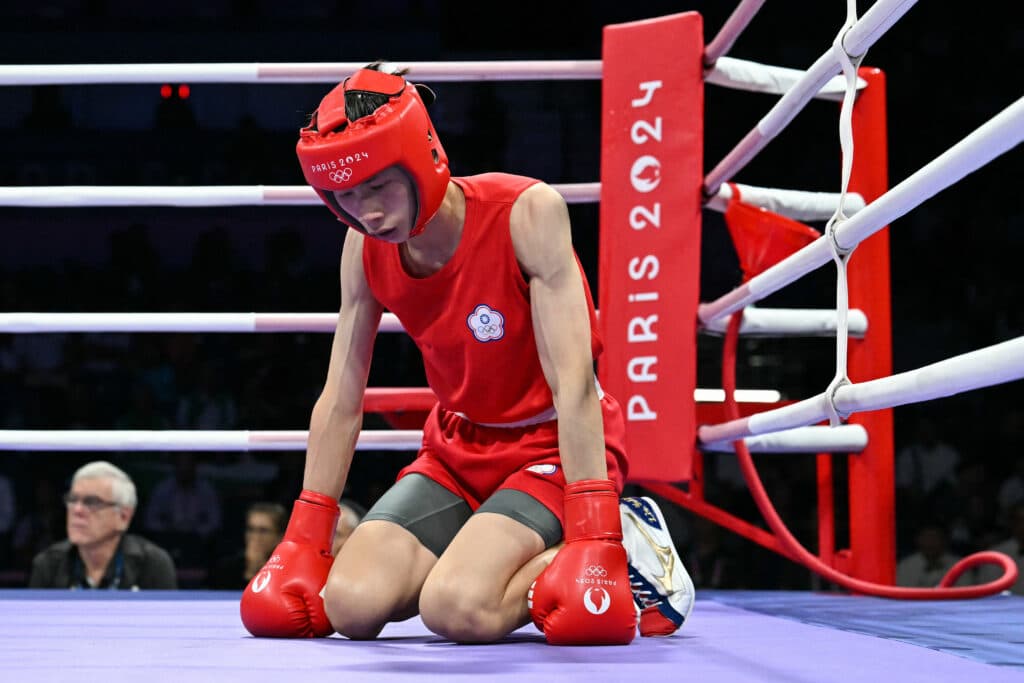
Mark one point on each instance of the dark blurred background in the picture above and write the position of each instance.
(955, 284)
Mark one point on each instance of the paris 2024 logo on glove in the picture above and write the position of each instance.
(486, 323)
(596, 599)
(262, 580)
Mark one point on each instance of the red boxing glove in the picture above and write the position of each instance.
(283, 600)
(584, 597)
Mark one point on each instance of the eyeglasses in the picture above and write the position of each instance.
(93, 503)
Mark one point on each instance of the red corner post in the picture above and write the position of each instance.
(649, 252)
(872, 554)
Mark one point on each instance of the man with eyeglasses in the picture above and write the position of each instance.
(98, 553)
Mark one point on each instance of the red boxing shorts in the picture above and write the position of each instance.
(473, 461)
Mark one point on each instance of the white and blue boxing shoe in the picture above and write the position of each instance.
(662, 588)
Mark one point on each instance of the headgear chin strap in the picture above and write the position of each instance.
(337, 154)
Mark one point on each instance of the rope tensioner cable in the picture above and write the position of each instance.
(841, 255)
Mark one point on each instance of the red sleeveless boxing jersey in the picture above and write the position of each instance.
(471, 319)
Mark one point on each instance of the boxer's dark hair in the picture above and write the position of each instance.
(359, 103)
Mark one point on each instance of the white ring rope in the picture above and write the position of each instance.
(46, 323)
(842, 439)
(796, 204)
(731, 30)
(1000, 134)
(785, 322)
(762, 322)
(292, 72)
(882, 15)
(196, 440)
(850, 438)
(731, 73)
(740, 74)
(985, 367)
(65, 196)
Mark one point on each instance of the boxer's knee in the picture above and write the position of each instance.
(451, 608)
(354, 608)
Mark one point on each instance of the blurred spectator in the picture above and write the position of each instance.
(925, 567)
(970, 509)
(184, 502)
(1012, 546)
(351, 514)
(98, 552)
(264, 526)
(928, 463)
(48, 111)
(208, 404)
(133, 278)
(1011, 491)
(143, 412)
(8, 511)
(926, 470)
(41, 526)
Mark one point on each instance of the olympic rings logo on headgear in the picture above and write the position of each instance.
(341, 176)
(596, 571)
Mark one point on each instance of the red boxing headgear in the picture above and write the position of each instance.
(337, 154)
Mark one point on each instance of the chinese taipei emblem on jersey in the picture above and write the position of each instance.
(486, 323)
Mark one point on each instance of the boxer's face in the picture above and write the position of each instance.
(385, 204)
(93, 516)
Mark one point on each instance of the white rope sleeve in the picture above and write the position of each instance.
(841, 439)
(741, 74)
(791, 322)
(796, 204)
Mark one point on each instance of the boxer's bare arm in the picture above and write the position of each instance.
(338, 413)
(542, 238)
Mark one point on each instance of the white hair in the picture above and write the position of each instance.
(122, 488)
